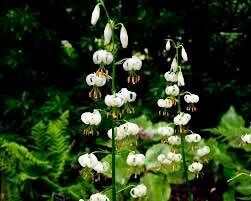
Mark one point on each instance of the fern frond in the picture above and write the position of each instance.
(58, 145)
(17, 158)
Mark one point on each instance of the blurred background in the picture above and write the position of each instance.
(41, 79)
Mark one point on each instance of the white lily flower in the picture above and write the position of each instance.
(184, 54)
(172, 90)
(138, 191)
(135, 159)
(92, 79)
(95, 15)
(133, 63)
(182, 119)
(165, 103)
(88, 160)
(91, 118)
(171, 76)
(203, 151)
(101, 167)
(123, 37)
(114, 100)
(99, 197)
(166, 131)
(102, 57)
(120, 133)
(107, 33)
(246, 138)
(127, 95)
(195, 167)
(181, 81)
(174, 140)
(191, 98)
(193, 138)
(130, 128)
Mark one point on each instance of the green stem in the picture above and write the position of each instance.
(183, 153)
(113, 125)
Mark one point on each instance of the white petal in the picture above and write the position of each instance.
(90, 79)
(174, 65)
(181, 81)
(123, 37)
(107, 33)
(184, 54)
(95, 15)
(168, 45)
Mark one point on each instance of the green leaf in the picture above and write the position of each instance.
(122, 175)
(244, 189)
(229, 195)
(158, 188)
(231, 119)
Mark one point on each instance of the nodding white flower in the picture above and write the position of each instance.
(177, 157)
(133, 63)
(99, 197)
(203, 151)
(108, 33)
(174, 65)
(194, 137)
(246, 138)
(181, 81)
(102, 57)
(123, 36)
(172, 90)
(191, 98)
(161, 157)
(127, 95)
(174, 140)
(184, 54)
(165, 103)
(166, 131)
(168, 45)
(182, 119)
(124, 130)
(92, 79)
(130, 128)
(120, 133)
(88, 160)
(135, 159)
(95, 14)
(195, 167)
(138, 191)
(173, 157)
(93, 118)
(171, 76)
(101, 167)
(114, 100)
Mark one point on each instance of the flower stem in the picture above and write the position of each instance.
(113, 163)
(113, 125)
(185, 173)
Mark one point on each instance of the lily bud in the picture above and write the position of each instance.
(168, 45)
(174, 65)
(95, 14)
(181, 81)
(123, 37)
(108, 33)
(184, 54)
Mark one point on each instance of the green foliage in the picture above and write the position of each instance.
(158, 187)
(229, 152)
(44, 161)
